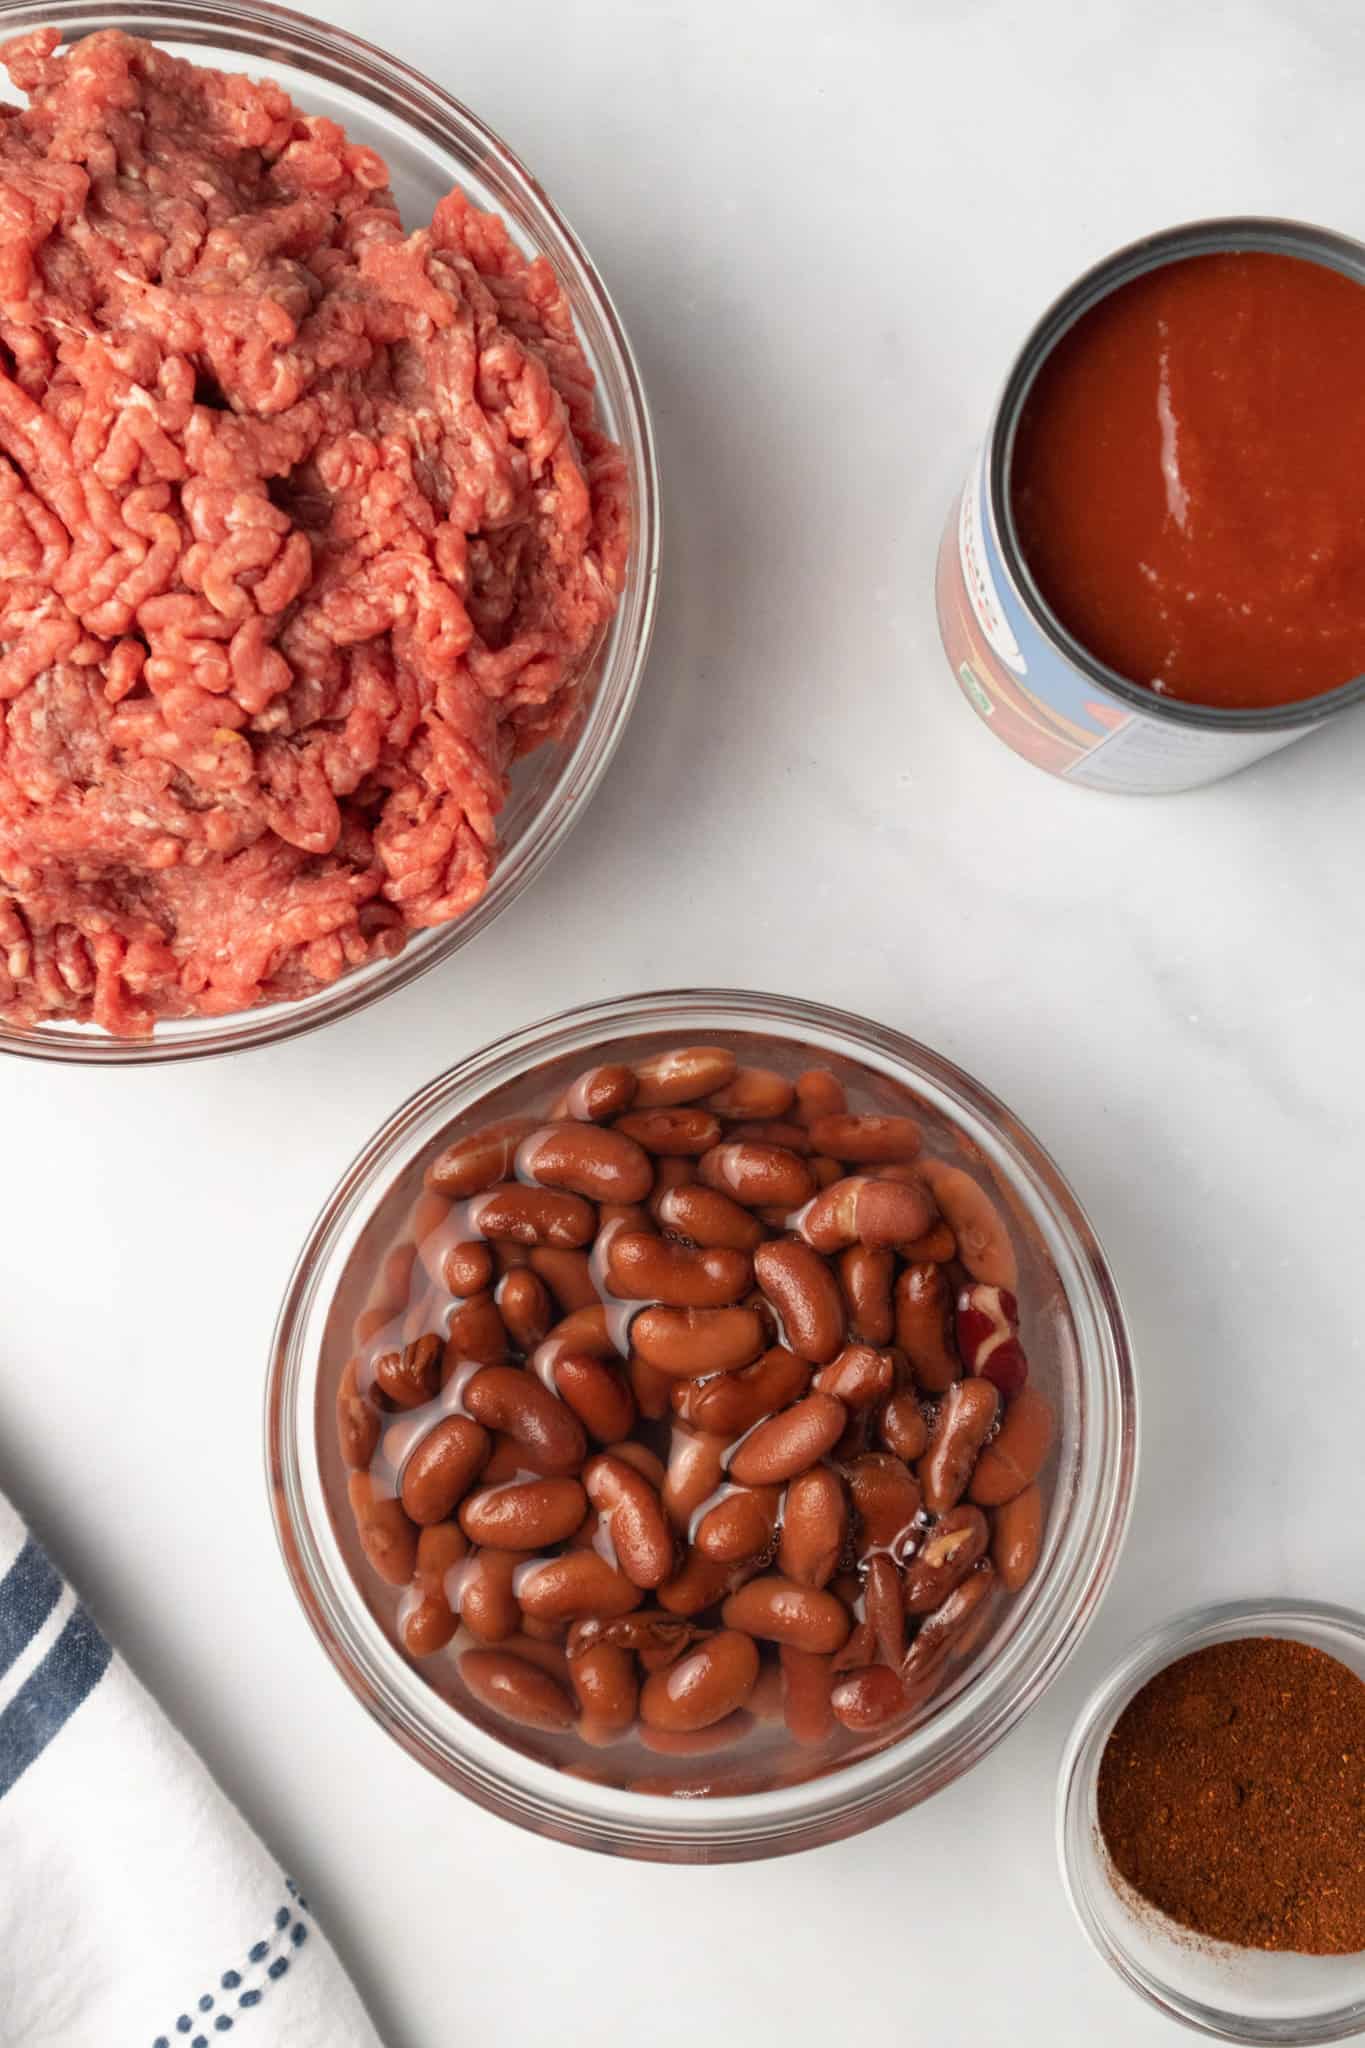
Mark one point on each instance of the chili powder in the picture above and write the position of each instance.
(1232, 1796)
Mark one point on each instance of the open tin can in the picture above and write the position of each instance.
(1031, 681)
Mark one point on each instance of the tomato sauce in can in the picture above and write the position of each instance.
(1169, 477)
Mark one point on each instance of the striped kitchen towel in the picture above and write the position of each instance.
(137, 1908)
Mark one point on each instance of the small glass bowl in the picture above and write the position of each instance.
(1232, 1993)
(1088, 1372)
(430, 143)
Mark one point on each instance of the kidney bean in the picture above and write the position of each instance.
(682, 1074)
(466, 1268)
(429, 1212)
(514, 1688)
(867, 1140)
(642, 1267)
(859, 1377)
(530, 1515)
(387, 1537)
(682, 1133)
(728, 1404)
(408, 1376)
(703, 1686)
(487, 1602)
(814, 1527)
(523, 1302)
(650, 1388)
(860, 1649)
(802, 1289)
(393, 1285)
(443, 1467)
(886, 1503)
(575, 1586)
(508, 1257)
(597, 1394)
(986, 1326)
(723, 1734)
(965, 1418)
(945, 1630)
(475, 1162)
(740, 1525)
(937, 1247)
(607, 1690)
(507, 1398)
(904, 1427)
(532, 1215)
(949, 1551)
(1018, 1537)
(753, 1092)
(689, 1343)
(475, 1332)
(567, 1274)
(885, 1613)
(698, 1583)
(819, 1093)
(771, 1131)
(876, 1213)
(583, 1329)
(358, 1420)
(983, 1240)
(506, 1461)
(807, 1679)
(598, 1095)
(1018, 1452)
(542, 1643)
(790, 1442)
(710, 1219)
(780, 1611)
(866, 1276)
(633, 1512)
(427, 1626)
(867, 1699)
(923, 1309)
(758, 1176)
(696, 1468)
(600, 1164)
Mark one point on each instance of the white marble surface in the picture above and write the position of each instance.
(827, 228)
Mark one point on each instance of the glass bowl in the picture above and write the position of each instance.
(1084, 1362)
(430, 143)
(1232, 1993)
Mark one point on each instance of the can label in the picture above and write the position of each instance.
(1037, 701)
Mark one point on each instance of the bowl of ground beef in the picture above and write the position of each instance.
(328, 528)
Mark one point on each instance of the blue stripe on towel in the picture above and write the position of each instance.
(29, 1591)
(42, 1707)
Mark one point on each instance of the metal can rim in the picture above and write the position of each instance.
(1219, 235)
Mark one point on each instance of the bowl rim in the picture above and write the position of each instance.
(1163, 1644)
(985, 1706)
(369, 72)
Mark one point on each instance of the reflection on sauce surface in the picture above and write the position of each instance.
(1188, 480)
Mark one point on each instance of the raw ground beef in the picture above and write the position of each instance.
(306, 531)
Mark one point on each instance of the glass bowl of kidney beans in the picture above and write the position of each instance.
(700, 1425)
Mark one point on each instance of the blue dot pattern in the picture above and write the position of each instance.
(284, 1923)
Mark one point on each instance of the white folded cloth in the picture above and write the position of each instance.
(137, 1908)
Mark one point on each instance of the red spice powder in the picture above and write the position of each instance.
(1232, 1796)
